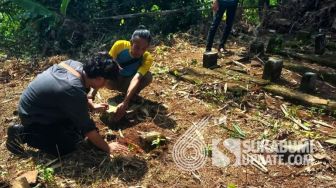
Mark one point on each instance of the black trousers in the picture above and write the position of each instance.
(55, 139)
(230, 15)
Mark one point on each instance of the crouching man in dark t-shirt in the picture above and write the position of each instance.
(54, 109)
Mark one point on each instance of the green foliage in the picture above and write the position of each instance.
(236, 132)
(251, 16)
(64, 6)
(155, 8)
(46, 174)
(8, 27)
(158, 142)
(208, 150)
(40, 25)
(34, 7)
(231, 185)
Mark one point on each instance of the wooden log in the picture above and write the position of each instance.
(272, 69)
(245, 77)
(328, 61)
(226, 75)
(202, 73)
(303, 35)
(331, 46)
(301, 69)
(210, 59)
(320, 44)
(308, 82)
(257, 47)
(303, 98)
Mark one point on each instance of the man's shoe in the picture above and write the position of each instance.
(15, 139)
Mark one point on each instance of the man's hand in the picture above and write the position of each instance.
(100, 107)
(215, 6)
(115, 147)
(121, 111)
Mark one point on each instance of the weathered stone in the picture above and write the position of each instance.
(308, 82)
(210, 59)
(272, 69)
(320, 44)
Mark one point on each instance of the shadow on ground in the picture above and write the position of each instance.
(146, 109)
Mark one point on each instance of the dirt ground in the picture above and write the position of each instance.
(171, 107)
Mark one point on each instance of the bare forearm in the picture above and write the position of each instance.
(98, 141)
(133, 87)
(90, 104)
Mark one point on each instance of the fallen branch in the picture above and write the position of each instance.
(296, 121)
(323, 124)
(241, 65)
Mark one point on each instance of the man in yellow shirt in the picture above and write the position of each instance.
(134, 62)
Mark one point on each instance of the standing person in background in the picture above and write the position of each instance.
(220, 7)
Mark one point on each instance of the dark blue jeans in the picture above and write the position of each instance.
(230, 15)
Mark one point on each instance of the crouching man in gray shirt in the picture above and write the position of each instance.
(54, 109)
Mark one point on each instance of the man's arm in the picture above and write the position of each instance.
(100, 143)
(133, 87)
(97, 140)
(131, 91)
(93, 106)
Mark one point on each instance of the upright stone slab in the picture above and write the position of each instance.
(272, 69)
(308, 82)
(257, 47)
(320, 44)
(210, 59)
